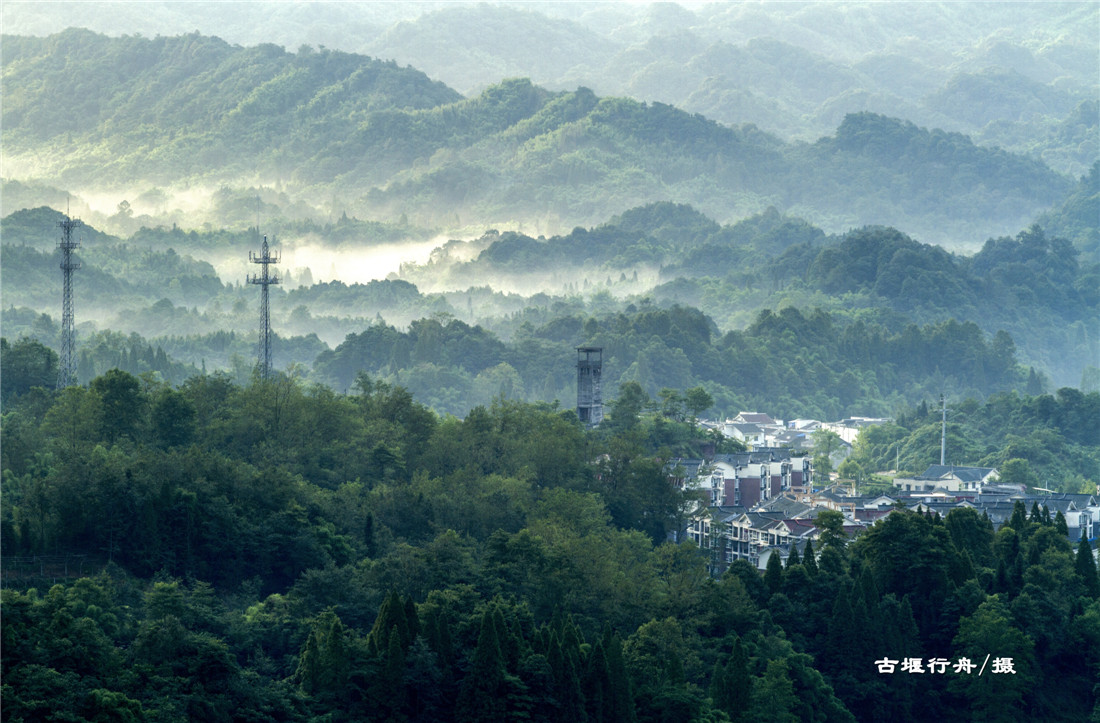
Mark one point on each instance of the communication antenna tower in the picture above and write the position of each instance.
(264, 279)
(943, 432)
(66, 372)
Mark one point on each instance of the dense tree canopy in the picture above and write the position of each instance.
(282, 551)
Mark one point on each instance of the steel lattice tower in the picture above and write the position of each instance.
(264, 279)
(66, 372)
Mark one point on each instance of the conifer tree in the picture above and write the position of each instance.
(596, 684)
(868, 590)
(391, 677)
(509, 643)
(810, 558)
(1060, 524)
(620, 697)
(731, 685)
(324, 662)
(412, 620)
(773, 573)
(840, 633)
(774, 698)
(1018, 521)
(481, 699)
(390, 615)
(309, 662)
(336, 655)
(793, 558)
(567, 677)
(718, 685)
(1000, 580)
(1085, 566)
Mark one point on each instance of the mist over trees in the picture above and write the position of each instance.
(816, 210)
(386, 142)
(1017, 76)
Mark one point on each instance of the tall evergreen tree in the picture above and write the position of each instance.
(773, 573)
(731, 685)
(774, 698)
(481, 697)
(620, 698)
(412, 620)
(1085, 567)
(391, 615)
(596, 684)
(810, 558)
(1018, 520)
(390, 683)
(1060, 524)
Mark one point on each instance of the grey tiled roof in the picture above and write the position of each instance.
(966, 474)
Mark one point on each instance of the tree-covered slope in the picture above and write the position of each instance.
(386, 141)
(1007, 74)
(278, 551)
(193, 105)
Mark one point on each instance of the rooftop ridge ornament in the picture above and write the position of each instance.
(264, 279)
(66, 370)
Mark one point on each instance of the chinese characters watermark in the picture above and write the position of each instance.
(940, 666)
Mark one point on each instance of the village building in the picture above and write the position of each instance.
(946, 478)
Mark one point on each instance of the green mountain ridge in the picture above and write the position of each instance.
(1035, 287)
(383, 141)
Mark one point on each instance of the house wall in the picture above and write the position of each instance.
(750, 491)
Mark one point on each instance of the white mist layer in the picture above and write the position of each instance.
(325, 263)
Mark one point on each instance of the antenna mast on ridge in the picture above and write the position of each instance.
(264, 279)
(943, 432)
(66, 370)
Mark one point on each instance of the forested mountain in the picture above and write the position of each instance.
(1038, 288)
(1016, 76)
(188, 107)
(1037, 291)
(349, 133)
(807, 209)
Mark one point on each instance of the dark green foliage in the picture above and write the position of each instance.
(773, 573)
(1085, 567)
(121, 404)
(27, 363)
(731, 684)
(173, 419)
(810, 561)
(990, 629)
(367, 559)
(972, 533)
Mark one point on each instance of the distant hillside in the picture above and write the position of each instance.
(382, 141)
(1007, 74)
(1001, 72)
(86, 106)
